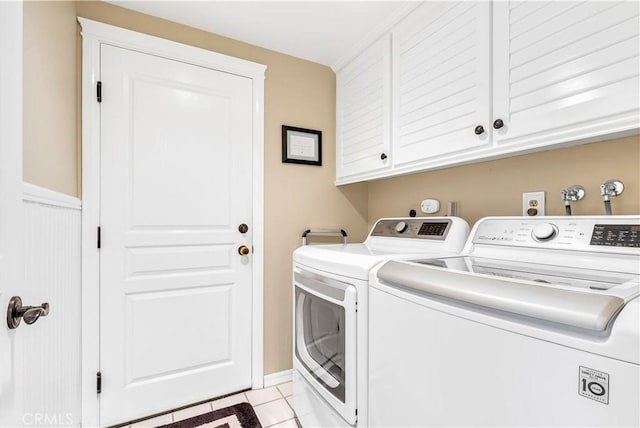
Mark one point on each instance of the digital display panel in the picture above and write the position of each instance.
(616, 235)
(433, 229)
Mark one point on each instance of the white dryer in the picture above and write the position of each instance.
(331, 313)
(537, 323)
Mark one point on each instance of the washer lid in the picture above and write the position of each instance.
(526, 289)
(612, 282)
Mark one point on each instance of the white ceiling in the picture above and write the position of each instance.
(318, 31)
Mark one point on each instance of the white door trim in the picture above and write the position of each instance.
(93, 35)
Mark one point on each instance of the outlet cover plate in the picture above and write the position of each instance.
(533, 204)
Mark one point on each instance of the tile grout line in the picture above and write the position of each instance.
(269, 401)
(282, 397)
(286, 420)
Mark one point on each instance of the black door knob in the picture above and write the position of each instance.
(243, 228)
(498, 123)
(479, 130)
(383, 156)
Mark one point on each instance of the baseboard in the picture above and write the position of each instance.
(278, 378)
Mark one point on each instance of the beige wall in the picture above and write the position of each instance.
(495, 187)
(297, 92)
(50, 96)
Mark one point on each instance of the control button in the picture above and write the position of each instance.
(401, 226)
(544, 232)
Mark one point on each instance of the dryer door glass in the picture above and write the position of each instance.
(320, 340)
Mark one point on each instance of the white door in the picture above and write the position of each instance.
(176, 183)
(10, 205)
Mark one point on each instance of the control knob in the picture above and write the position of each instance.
(544, 232)
(401, 226)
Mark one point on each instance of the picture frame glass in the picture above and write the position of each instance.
(302, 146)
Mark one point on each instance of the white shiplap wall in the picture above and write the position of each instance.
(50, 349)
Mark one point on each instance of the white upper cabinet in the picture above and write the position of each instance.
(565, 71)
(363, 112)
(441, 89)
(461, 82)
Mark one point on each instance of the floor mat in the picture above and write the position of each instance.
(241, 414)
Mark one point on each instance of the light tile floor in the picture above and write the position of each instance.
(273, 406)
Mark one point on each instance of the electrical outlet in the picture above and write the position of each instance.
(533, 204)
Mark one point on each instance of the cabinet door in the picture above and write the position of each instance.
(441, 87)
(565, 71)
(363, 112)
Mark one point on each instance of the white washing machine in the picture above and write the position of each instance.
(330, 313)
(536, 323)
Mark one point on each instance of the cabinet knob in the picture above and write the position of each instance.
(383, 156)
(498, 123)
(479, 130)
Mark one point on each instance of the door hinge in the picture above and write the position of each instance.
(99, 382)
(99, 91)
(99, 237)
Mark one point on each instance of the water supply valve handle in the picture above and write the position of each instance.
(611, 188)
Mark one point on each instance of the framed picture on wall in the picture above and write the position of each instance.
(301, 145)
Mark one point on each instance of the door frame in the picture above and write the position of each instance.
(93, 35)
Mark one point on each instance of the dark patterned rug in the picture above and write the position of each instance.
(237, 415)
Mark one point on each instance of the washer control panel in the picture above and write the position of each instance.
(576, 233)
(416, 228)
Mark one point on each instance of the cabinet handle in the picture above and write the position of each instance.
(479, 130)
(498, 123)
(383, 156)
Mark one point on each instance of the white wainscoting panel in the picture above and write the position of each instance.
(50, 349)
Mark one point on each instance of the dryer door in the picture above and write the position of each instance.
(325, 338)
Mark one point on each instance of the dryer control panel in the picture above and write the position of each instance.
(417, 228)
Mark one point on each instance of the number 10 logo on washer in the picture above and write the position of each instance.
(594, 385)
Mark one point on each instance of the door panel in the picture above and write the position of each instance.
(208, 305)
(175, 183)
(180, 158)
(565, 71)
(441, 53)
(363, 115)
